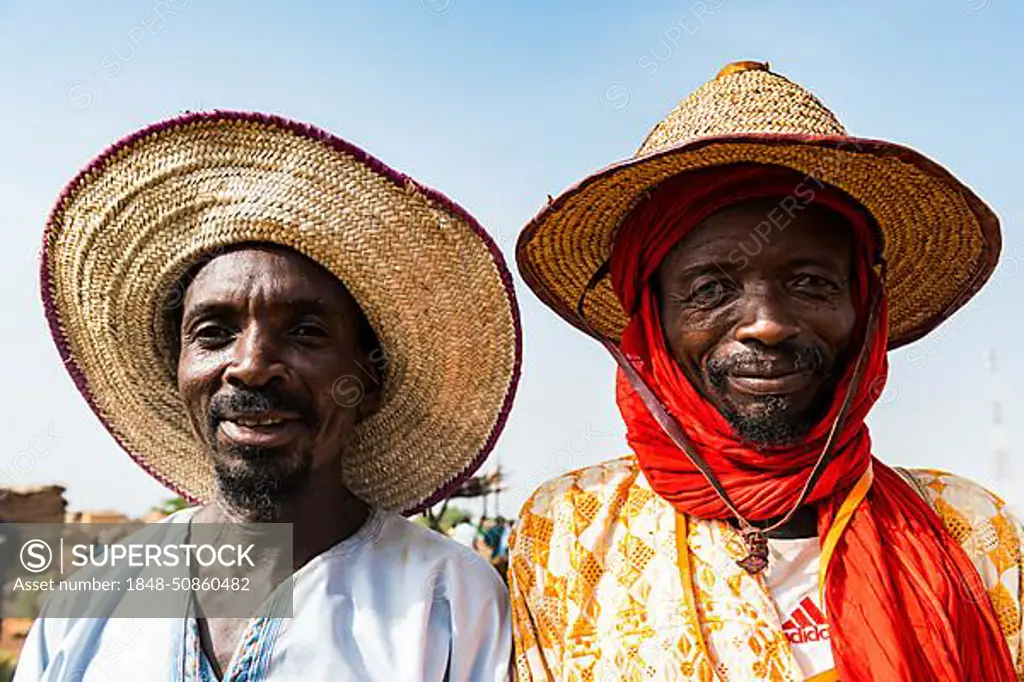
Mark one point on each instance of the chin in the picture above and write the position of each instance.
(771, 421)
(260, 489)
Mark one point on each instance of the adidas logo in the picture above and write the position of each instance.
(806, 624)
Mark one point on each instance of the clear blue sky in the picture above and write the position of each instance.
(498, 104)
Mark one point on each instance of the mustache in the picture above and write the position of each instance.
(787, 357)
(243, 401)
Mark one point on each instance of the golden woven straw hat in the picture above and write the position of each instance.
(432, 284)
(941, 242)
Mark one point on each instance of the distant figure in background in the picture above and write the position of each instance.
(493, 536)
(499, 542)
(465, 532)
(506, 533)
(483, 547)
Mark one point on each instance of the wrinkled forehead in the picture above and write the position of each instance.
(274, 274)
(765, 232)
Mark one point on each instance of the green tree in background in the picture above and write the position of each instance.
(168, 507)
(479, 486)
(444, 519)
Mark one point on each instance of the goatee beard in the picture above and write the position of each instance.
(774, 425)
(256, 483)
(773, 421)
(257, 491)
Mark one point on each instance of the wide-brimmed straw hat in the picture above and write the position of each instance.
(430, 281)
(940, 241)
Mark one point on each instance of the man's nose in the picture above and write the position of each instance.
(256, 361)
(767, 318)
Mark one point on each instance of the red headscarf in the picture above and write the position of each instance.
(905, 601)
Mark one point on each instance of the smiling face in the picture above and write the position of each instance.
(762, 329)
(266, 337)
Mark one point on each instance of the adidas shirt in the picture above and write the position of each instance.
(792, 580)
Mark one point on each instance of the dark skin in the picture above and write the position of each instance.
(762, 326)
(265, 334)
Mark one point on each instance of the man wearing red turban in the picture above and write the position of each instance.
(757, 265)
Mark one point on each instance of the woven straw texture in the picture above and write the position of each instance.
(941, 242)
(432, 284)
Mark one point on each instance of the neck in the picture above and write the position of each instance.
(322, 513)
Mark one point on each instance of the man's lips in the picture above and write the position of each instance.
(771, 383)
(262, 430)
(263, 418)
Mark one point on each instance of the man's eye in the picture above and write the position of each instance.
(212, 335)
(706, 294)
(309, 330)
(815, 282)
(212, 331)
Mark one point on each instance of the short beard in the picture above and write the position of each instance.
(256, 483)
(775, 424)
(775, 421)
(258, 491)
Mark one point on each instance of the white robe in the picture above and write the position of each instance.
(395, 602)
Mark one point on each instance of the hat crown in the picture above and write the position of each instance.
(745, 98)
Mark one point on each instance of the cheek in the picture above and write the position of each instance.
(337, 389)
(338, 419)
(836, 327)
(690, 338)
(197, 378)
(693, 334)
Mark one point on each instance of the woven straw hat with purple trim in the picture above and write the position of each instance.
(940, 241)
(432, 284)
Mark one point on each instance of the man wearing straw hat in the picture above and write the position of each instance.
(274, 323)
(748, 271)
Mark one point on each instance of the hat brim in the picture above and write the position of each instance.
(941, 242)
(431, 282)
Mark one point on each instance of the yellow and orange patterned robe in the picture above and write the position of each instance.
(597, 582)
